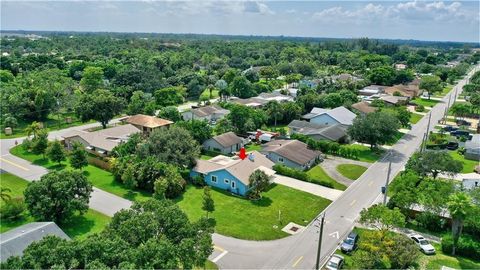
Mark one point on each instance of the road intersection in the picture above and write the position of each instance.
(298, 251)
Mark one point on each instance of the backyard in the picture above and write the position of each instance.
(255, 220)
(351, 171)
(98, 177)
(77, 227)
(318, 175)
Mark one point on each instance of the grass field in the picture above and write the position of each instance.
(255, 220)
(425, 102)
(365, 154)
(317, 174)
(351, 171)
(100, 178)
(415, 117)
(77, 227)
(445, 91)
(397, 137)
(206, 94)
(253, 147)
(468, 165)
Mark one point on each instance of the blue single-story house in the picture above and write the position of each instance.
(232, 173)
(339, 115)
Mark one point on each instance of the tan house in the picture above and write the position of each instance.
(147, 123)
(406, 90)
(363, 107)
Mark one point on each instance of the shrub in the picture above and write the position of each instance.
(430, 221)
(419, 108)
(197, 180)
(294, 173)
(466, 246)
(13, 209)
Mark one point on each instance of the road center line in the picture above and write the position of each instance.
(370, 184)
(216, 259)
(14, 164)
(353, 202)
(297, 261)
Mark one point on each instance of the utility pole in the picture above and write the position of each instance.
(320, 235)
(387, 181)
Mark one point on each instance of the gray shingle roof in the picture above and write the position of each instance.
(331, 132)
(293, 150)
(227, 139)
(209, 110)
(341, 114)
(15, 241)
(105, 139)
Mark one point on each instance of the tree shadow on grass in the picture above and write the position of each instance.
(263, 202)
(41, 162)
(77, 225)
(57, 167)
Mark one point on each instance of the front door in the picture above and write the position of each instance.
(233, 185)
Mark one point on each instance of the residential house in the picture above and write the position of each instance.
(252, 68)
(472, 148)
(363, 107)
(339, 115)
(15, 241)
(290, 91)
(100, 142)
(371, 90)
(275, 96)
(291, 153)
(336, 132)
(262, 99)
(210, 113)
(345, 77)
(407, 90)
(400, 66)
(470, 183)
(147, 123)
(310, 83)
(225, 143)
(394, 100)
(232, 173)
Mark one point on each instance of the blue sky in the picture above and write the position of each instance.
(423, 20)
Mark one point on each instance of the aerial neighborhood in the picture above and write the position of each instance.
(178, 151)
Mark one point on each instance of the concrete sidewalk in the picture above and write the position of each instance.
(327, 193)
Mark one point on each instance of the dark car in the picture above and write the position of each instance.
(452, 146)
(458, 133)
(450, 128)
(349, 243)
(462, 123)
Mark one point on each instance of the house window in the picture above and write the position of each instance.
(213, 179)
(226, 181)
(233, 184)
(280, 159)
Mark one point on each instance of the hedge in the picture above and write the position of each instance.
(298, 174)
(467, 246)
(328, 147)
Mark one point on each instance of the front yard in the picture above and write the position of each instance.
(366, 154)
(317, 174)
(425, 102)
(351, 171)
(468, 165)
(78, 227)
(98, 177)
(255, 220)
(415, 117)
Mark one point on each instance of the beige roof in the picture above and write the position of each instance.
(209, 110)
(241, 169)
(227, 139)
(364, 107)
(148, 121)
(293, 150)
(408, 90)
(105, 139)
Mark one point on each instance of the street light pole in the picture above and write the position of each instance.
(320, 235)
(386, 183)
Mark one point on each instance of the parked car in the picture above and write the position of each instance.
(349, 244)
(450, 128)
(335, 262)
(458, 133)
(452, 146)
(422, 244)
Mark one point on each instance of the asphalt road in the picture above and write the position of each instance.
(299, 251)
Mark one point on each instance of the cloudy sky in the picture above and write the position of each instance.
(423, 20)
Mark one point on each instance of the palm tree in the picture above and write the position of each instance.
(275, 110)
(4, 195)
(459, 205)
(33, 128)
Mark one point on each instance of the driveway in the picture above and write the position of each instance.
(329, 165)
(321, 191)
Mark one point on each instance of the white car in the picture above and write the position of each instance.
(422, 243)
(335, 262)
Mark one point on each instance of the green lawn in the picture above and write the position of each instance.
(206, 94)
(445, 91)
(425, 102)
(468, 165)
(317, 174)
(415, 117)
(100, 178)
(351, 171)
(425, 261)
(397, 137)
(53, 122)
(365, 154)
(255, 220)
(77, 227)
(253, 147)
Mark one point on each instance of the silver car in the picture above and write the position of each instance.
(349, 243)
(422, 244)
(335, 262)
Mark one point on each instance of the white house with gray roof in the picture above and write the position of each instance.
(15, 241)
(225, 143)
(325, 117)
(291, 153)
(335, 132)
(207, 113)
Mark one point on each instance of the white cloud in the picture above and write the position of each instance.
(340, 14)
